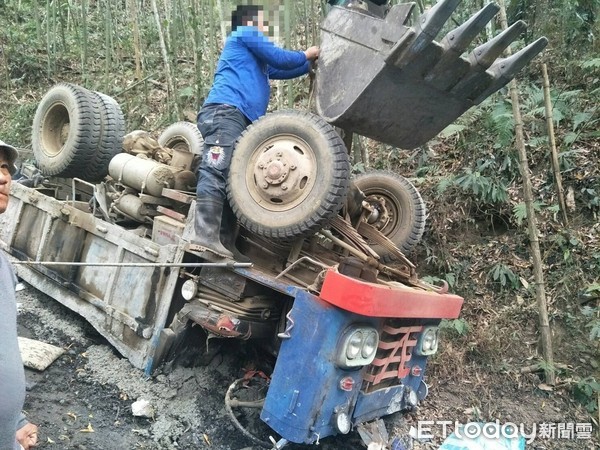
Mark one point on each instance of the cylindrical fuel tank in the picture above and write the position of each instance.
(132, 206)
(141, 173)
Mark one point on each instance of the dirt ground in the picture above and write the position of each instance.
(83, 400)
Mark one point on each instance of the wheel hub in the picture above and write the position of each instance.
(381, 215)
(275, 171)
(283, 172)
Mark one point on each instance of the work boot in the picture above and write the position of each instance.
(207, 225)
(229, 229)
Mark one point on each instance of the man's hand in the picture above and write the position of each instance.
(27, 436)
(312, 53)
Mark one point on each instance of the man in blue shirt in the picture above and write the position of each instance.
(239, 96)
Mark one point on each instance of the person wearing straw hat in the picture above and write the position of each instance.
(15, 431)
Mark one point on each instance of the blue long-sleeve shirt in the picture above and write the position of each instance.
(249, 59)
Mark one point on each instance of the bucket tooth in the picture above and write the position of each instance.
(450, 68)
(477, 80)
(427, 26)
(459, 39)
(486, 54)
(505, 69)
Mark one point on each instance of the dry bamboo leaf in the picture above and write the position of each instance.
(88, 429)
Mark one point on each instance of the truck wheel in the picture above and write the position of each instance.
(399, 210)
(111, 142)
(183, 136)
(289, 175)
(66, 130)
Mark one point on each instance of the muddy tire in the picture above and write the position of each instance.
(289, 175)
(66, 130)
(111, 141)
(183, 136)
(400, 209)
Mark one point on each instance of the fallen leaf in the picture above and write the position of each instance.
(545, 387)
(50, 441)
(472, 411)
(88, 429)
(206, 438)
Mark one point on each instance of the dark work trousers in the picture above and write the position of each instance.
(221, 125)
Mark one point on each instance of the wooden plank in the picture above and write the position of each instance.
(172, 214)
(179, 196)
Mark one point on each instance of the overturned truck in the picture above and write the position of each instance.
(329, 295)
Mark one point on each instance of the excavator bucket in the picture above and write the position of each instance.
(381, 78)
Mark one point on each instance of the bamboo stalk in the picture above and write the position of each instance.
(6, 69)
(554, 154)
(222, 21)
(48, 34)
(540, 290)
(197, 52)
(136, 39)
(84, 49)
(38, 22)
(107, 45)
(288, 17)
(165, 57)
(211, 38)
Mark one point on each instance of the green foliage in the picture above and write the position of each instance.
(590, 198)
(501, 274)
(449, 278)
(359, 167)
(520, 210)
(567, 245)
(487, 189)
(451, 130)
(586, 391)
(593, 63)
(501, 122)
(458, 326)
(594, 320)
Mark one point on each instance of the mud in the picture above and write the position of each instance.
(83, 400)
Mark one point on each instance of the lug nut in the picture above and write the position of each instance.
(265, 185)
(293, 167)
(284, 187)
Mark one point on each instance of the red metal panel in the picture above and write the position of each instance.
(379, 300)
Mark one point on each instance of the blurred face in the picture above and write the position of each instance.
(259, 22)
(262, 25)
(5, 180)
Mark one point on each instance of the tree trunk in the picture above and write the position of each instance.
(540, 290)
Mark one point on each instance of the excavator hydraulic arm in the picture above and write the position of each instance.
(382, 78)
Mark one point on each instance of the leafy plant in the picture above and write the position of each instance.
(520, 211)
(449, 278)
(585, 391)
(486, 188)
(458, 326)
(503, 275)
(567, 244)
